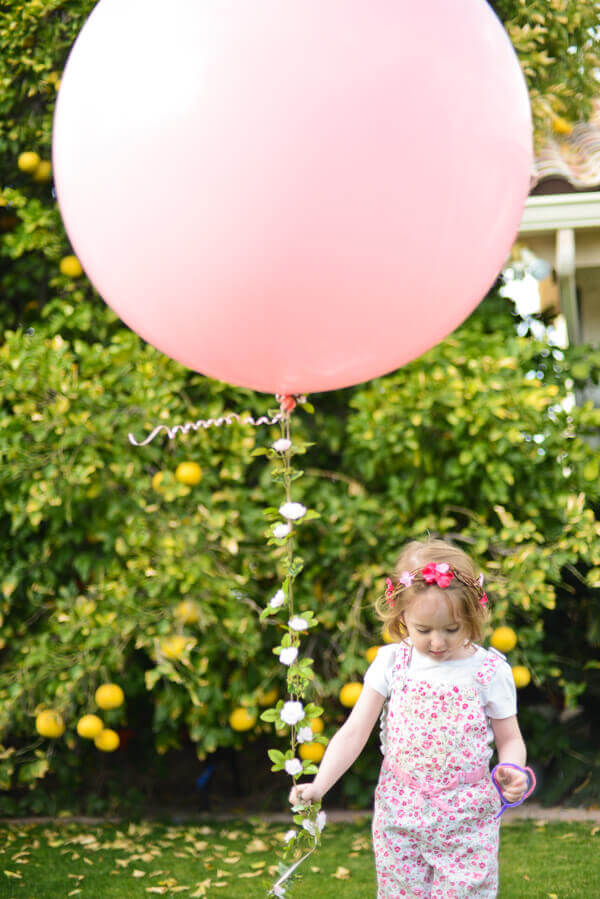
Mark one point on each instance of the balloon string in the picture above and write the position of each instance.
(206, 423)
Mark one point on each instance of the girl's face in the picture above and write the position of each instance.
(434, 626)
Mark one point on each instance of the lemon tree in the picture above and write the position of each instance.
(108, 553)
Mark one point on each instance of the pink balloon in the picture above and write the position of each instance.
(292, 196)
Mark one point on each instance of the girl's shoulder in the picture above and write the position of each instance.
(491, 665)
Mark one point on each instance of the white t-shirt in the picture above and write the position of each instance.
(498, 698)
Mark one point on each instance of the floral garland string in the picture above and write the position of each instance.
(292, 713)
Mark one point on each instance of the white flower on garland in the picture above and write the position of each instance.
(278, 891)
(309, 826)
(277, 600)
(304, 735)
(321, 821)
(289, 655)
(292, 712)
(293, 767)
(281, 530)
(282, 445)
(289, 835)
(298, 624)
(292, 511)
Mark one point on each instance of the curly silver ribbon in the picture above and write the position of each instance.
(206, 423)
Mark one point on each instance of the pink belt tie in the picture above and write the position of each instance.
(431, 791)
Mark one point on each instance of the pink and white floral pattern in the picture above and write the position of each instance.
(432, 837)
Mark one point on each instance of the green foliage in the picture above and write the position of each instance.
(472, 441)
(558, 45)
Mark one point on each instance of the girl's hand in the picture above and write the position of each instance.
(304, 793)
(513, 783)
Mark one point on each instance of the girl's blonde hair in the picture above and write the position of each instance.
(416, 555)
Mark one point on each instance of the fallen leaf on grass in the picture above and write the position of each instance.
(16, 874)
(138, 873)
(566, 836)
(552, 895)
(594, 831)
(74, 892)
(342, 873)
(201, 889)
(315, 870)
(257, 845)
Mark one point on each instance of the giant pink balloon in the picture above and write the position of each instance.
(292, 195)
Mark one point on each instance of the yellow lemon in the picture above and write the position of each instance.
(107, 740)
(268, 697)
(173, 647)
(28, 161)
(157, 478)
(70, 266)
(109, 696)
(371, 653)
(311, 752)
(316, 725)
(349, 693)
(43, 171)
(521, 675)
(561, 126)
(503, 639)
(188, 473)
(50, 724)
(387, 637)
(187, 612)
(241, 719)
(89, 726)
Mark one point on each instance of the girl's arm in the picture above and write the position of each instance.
(344, 748)
(511, 748)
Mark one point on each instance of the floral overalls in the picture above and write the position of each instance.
(434, 827)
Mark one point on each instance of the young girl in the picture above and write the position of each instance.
(443, 699)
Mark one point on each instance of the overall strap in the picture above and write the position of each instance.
(403, 655)
(489, 666)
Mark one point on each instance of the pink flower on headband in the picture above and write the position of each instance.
(389, 589)
(407, 578)
(483, 600)
(439, 574)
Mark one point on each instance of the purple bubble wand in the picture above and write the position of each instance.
(530, 786)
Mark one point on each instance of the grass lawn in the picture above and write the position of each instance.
(230, 860)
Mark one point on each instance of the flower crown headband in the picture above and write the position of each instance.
(441, 574)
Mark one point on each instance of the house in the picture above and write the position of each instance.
(561, 225)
